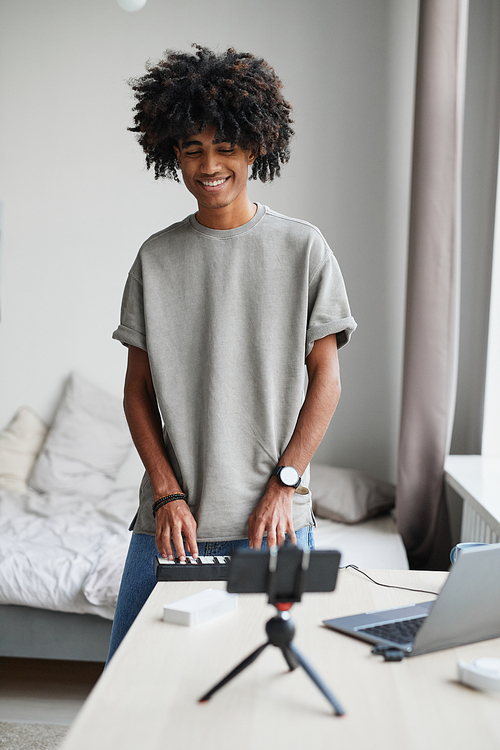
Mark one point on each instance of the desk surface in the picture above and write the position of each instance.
(147, 698)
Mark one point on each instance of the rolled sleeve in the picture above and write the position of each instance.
(329, 310)
(343, 328)
(132, 328)
(129, 337)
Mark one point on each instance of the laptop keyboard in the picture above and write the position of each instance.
(403, 631)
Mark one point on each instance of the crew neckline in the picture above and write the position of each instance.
(225, 233)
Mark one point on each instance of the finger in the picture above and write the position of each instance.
(179, 544)
(291, 535)
(189, 536)
(163, 543)
(251, 534)
(281, 535)
(271, 538)
(191, 544)
(255, 537)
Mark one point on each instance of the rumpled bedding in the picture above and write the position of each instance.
(62, 552)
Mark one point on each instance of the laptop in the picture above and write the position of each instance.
(467, 610)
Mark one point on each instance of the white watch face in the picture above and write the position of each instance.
(289, 476)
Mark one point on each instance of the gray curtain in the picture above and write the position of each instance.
(432, 309)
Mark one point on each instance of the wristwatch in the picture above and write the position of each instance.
(288, 476)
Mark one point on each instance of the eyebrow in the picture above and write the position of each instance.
(188, 144)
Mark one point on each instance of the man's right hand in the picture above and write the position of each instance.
(173, 521)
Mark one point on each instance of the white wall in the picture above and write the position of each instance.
(479, 181)
(78, 201)
(491, 431)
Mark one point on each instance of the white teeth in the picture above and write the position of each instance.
(214, 183)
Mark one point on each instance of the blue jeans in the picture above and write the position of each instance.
(139, 580)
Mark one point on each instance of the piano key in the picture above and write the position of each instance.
(176, 561)
(205, 568)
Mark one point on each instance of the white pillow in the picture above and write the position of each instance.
(86, 445)
(20, 443)
(348, 495)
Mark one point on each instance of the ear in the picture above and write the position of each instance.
(177, 153)
(252, 155)
(256, 151)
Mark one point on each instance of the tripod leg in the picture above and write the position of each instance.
(317, 680)
(245, 663)
(290, 658)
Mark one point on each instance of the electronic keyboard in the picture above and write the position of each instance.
(207, 568)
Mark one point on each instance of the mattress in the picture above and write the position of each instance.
(64, 553)
(370, 544)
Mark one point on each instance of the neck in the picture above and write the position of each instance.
(227, 217)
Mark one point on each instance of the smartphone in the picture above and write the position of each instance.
(284, 574)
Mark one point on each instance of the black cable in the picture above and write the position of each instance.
(387, 585)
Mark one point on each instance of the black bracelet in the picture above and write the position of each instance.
(168, 499)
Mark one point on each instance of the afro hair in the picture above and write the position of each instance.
(237, 93)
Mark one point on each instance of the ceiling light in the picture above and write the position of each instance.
(131, 5)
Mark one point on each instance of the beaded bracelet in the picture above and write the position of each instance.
(168, 499)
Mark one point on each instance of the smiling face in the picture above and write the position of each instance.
(216, 174)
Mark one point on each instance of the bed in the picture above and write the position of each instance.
(65, 508)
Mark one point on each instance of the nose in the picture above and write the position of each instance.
(210, 164)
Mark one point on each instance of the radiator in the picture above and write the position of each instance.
(475, 528)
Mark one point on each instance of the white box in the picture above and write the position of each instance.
(200, 607)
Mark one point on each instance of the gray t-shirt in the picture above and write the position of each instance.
(227, 318)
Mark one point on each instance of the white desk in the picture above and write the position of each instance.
(147, 698)
(477, 480)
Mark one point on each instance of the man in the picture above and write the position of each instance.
(220, 312)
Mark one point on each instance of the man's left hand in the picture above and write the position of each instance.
(273, 515)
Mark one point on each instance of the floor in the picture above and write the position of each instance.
(45, 691)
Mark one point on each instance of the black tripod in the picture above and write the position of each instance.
(280, 631)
